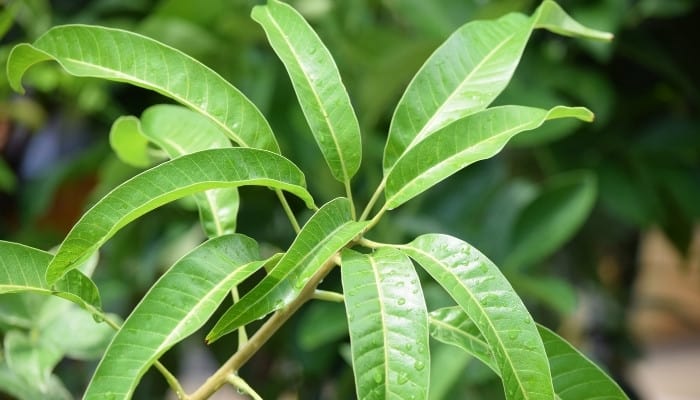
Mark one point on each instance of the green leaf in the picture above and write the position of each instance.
(569, 367)
(123, 56)
(473, 138)
(178, 304)
(551, 16)
(129, 143)
(208, 169)
(575, 376)
(467, 72)
(171, 128)
(29, 358)
(318, 86)
(388, 324)
(556, 214)
(21, 389)
(22, 269)
(480, 289)
(326, 232)
(452, 326)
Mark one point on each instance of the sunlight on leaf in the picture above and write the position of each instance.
(118, 55)
(318, 85)
(457, 145)
(208, 169)
(480, 289)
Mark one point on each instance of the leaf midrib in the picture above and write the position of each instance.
(424, 130)
(160, 89)
(330, 126)
(485, 316)
(409, 184)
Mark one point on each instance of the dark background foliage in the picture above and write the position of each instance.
(580, 195)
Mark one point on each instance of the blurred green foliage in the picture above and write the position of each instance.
(576, 192)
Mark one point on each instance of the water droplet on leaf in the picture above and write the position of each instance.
(419, 365)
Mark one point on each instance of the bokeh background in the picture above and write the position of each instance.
(594, 224)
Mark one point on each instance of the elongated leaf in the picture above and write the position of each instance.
(480, 289)
(22, 269)
(328, 231)
(388, 325)
(466, 73)
(569, 367)
(317, 82)
(123, 56)
(473, 138)
(182, 300)
(173, 129)
(208, 169)
(556, 214)
(575, 376)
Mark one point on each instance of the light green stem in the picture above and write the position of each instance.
(348, 193)
(288, 211)
(242, 334)
(241, 384)
(373, 200)
(328, 296)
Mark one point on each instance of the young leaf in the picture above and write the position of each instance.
(178, 304)
(123, 56)
(480, 289)
(22, 269)
(328, 231)
(208, 169)
(129, 143)
(461, 143)
(317, 82)
(467, 72)
(171, 128)
(569, 367)
(556, 214)
(388, 325)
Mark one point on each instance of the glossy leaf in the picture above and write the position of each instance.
(552, 218)
(575, 376)
(208, 169)
(118, 55)
(480, 289)
(177, 305)
(129, 143)
(328, 231)
(388, 325)
(23, 269)
(569, 367)
(467, 72)
(318, 85)
(180, 131)
(476, 137)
